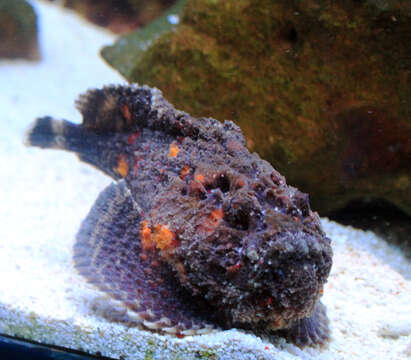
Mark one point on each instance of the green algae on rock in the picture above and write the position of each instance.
(130, 48)
(320, 88)
(18, 30)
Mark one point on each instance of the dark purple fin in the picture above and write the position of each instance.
(49, 133)
(309, 331)
(124, 108)
(115, 108)
(108, 254)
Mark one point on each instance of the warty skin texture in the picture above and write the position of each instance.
(192, 208)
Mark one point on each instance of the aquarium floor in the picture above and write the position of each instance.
(45, 195)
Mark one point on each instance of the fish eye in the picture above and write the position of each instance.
(223, 182)
(240, 212)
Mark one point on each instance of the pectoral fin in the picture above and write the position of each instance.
(108, 253)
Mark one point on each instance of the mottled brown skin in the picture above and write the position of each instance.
(211, 232)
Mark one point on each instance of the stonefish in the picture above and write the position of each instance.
(195, 232)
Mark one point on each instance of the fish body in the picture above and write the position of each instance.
(196, 232)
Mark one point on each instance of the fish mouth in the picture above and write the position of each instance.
(286, 277)
(282, 301)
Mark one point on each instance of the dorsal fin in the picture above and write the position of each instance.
(114, 108)
(124, 107)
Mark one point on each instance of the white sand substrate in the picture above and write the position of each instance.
(44, 195)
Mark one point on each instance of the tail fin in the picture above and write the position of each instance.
(48, 133)
(92, 148)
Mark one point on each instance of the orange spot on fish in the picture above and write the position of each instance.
(145, 235)
(125, 110)
(161, 237)
(200, 178)
(173, 150)
(216, 215)
(234, 268)
(240, 183)
(133, 137)
(184, 171)
(122, 166)
(211, 221)
(154, 263)
(164, 238)
(266, 303)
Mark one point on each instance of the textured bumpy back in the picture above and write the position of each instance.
(197, 232)
(123, 108)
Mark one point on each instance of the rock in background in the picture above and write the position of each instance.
(320, 88)
(18, 30)
(119, 16)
